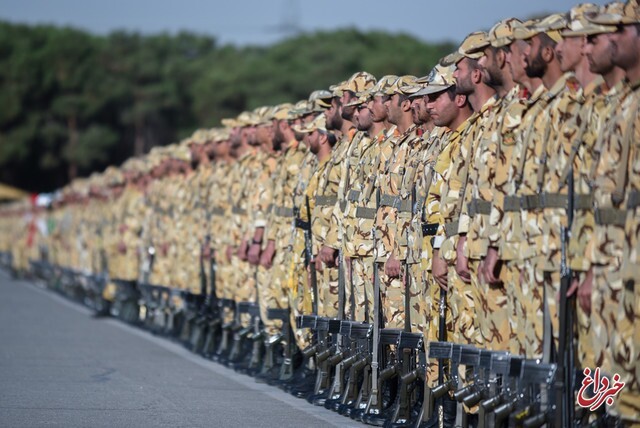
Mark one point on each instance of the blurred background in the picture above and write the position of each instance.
(85, 84)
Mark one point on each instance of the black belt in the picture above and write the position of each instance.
(610, 217)
(353, 195)
(239, 211)
(544, 200)
(284, 212)
(512, 204)
(479, 206)
(326, 200)
(364, 212)
(583, 202)
(217, 211)
(451, 228)
(430, 229)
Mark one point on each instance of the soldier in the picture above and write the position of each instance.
(614, 313)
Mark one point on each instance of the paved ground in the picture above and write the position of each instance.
(59, 366)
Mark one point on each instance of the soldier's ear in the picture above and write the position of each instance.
(406, 105)
(460, 100)
(501, 58)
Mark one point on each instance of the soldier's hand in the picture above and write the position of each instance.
(122, 248)
(229, 253)
(439, 270)
(584, 292)
(328, 256)
(206, 252)
(164, 249)
(462, 262)
(392, 267)
(242, 250)
(318, 264)
(266, 259)
(488, 267)
(254, 254)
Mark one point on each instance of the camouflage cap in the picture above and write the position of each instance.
(552, 25)
(357, 83)
(524, 30)
(300, 109)
(179, 152)
(401, 81)
(319, 124)
(630, 14)
(200, 136)
(230, 122)
(320, 100)
(262, 115)
(411, 88)
(580, 26)
(473, 45)
(452, 59)
(113, 177)
(440, 79)
(219, 134)
(501, 34)
(281, 111)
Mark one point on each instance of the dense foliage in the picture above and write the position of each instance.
(72, 102)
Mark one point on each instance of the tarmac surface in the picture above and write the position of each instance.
(60, 366)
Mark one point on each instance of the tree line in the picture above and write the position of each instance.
(73, 102)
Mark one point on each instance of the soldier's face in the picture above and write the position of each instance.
(334, 117)
(378, 109)
(441, 108)
(462, 74)
(419, 112)
(363, 118)
(625, 44)
(347, 112)
(394, 109)
(536, 66)
(313, 139)
(516, 61)
(599, 53)
(492, 74)
(263, 135)
(299, 135)
(569, 52)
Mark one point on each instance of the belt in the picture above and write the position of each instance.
(479, 206)
(217, 211)
(353, 195)
(610, 216)
(634, 199)
(429, 229)
(284, 212)
(323, 201)
(451, 228)
(364, 212)
(583, 202)
(239, 211)
(512, 204)
(544, 200)
(396, 202)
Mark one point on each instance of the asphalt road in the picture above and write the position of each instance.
(59, 366)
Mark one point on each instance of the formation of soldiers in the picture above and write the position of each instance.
(406, 251)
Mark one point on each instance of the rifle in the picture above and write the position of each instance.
(564, 386)
(470, 358)
(496, 389)
(374, 398)
(442, 351)
(308, 250)
(352, 398)
(530, 409)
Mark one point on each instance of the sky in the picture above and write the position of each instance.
(262, 22)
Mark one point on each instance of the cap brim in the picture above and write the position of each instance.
(431, 89)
